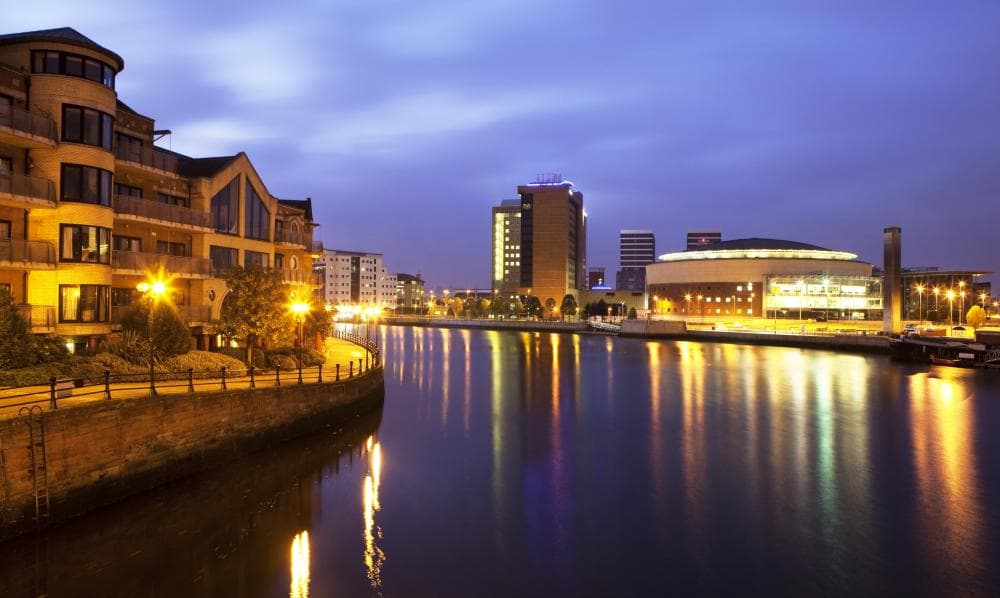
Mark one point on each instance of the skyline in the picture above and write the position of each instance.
(794, 123)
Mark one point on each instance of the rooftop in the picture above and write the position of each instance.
(63, 35)
(757, 248)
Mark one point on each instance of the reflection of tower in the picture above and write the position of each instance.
(374, 557)
(892, 296)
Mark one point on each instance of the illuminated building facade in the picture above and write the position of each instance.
(506, 246)
(89, 205)
(553, 244)
(700, 238)
(763, 278)
(595, 277)
(356, 278)
(926, 293)
(409, 293)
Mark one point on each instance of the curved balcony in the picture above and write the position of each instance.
(20, 190)
(23, 254)
(24, 128)
(134, 262)
(147, 158)
(134, 208)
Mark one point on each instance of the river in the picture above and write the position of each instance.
(529, 464)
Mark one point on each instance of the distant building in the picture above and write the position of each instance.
(541, 240)
(700, 238)
(595, 277)
(506, 246)
(409, 293)
(925, 293)
(356, 278)
(637, 248)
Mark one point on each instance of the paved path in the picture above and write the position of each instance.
(337, 352)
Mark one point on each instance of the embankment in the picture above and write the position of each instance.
(97, 453)
(522, 325)
(855, 343)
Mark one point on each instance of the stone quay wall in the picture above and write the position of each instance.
(100, 452)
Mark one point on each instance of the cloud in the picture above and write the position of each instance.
(219, 136)
(410, 122)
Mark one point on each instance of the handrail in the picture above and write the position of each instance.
(27, 186)
(23, 251)
(292, 237)
(148, 208)
(38, 316)
(29, 122)
(173, 264)
(147, 156)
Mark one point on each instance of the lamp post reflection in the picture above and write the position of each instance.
(300, 566)
(373, 556)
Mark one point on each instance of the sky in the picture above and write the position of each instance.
(820, 122)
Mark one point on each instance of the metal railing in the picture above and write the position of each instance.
(27, 186)
(148, 208)
(38, 316)
(291, 237)
(22, 251)
(296, 276)
(147, 156)
(172, 264)
(28, 122)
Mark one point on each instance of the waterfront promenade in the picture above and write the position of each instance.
(338, 352)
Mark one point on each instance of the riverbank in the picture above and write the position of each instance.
(99, 452)
(669, 330)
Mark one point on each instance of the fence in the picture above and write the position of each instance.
(147, 156)
(31, 123)
(28, 186)
(111, 386)
(148, 208)
(38, 316)
(22, 251)
(172, 264)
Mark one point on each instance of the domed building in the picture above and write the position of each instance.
(763, 278)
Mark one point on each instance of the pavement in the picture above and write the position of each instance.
(337, 351)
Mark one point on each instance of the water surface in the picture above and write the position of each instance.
(545, 464)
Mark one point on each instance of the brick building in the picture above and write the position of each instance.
(90, 206)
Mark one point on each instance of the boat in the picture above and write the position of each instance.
(943, 350)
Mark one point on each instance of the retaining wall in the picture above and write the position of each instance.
(523, 325)
(100, 452)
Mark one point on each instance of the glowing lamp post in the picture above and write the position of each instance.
(920, 302)
(152, 291)
(299, 310)
(951, 302)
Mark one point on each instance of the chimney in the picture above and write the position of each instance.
(892, 292)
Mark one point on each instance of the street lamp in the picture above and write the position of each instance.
(951, 312)
(299, 310)
(153, 291)
(920, 302)
(961, 311)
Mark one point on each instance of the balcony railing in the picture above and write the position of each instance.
(189, 313)
(296, 276)
(317, 247)
(31, 123)
(148, 208)
(38, 317)
(27, 186)
(147, 156)
(21, 251)
(172, 264)
(291, 237)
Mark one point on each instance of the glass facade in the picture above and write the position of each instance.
(223, 258)
(84, 303)
(258, 219)
(86, 125)
(73, 65)
(225, 208)
(86, 184)
(88, 244)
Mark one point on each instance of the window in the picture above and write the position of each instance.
(86, 184)
(6, 166)
(84, 303)
(123, 296)
(255, 258)
(85, 125)
(74, 65)
(225, 208)
(6, 110)
(173, 200)
(223, 258)
(279, 261)
(129, 147)
(4, 229)
(127, 243)
(171, 248)
(89, 244)
(258, 219)
(128, 190)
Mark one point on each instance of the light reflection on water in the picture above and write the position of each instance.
(589, 465)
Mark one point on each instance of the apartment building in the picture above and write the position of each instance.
(636, 249)
(409, 293)
(90, 206)
(355, 278)
(506, 246)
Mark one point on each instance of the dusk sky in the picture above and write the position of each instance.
(405, 121)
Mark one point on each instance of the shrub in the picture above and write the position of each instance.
(128, 346)
(13, 334)
(286, 362)
(73, 367)
(631, 313)
(260, 360)
(203, 361)
(46, 349)
(171, 335)
(310, 357)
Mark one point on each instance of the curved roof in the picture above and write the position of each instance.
(63, 35)
(756, 243)
(756, 248)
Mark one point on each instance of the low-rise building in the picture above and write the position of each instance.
(409, 293)
(357, 278)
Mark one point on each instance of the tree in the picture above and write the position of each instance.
(631, 313)
(13, 333)
(171, 335)
(976, 317)
(457, 306)
(255, 307)
(568, 307)
(550, 306)
(482, 307)
(533, 306)
(318, 323)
